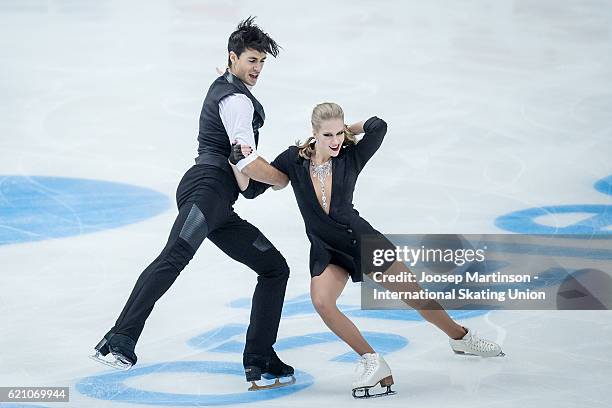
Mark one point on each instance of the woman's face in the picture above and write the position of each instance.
(329, 137)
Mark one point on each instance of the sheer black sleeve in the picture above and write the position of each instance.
(375, 130)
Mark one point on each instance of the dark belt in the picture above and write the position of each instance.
(214, 159)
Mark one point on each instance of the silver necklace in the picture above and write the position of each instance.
(321, 171)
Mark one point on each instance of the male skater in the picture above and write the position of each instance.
(205, 197)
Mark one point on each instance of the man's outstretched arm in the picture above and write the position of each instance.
(260, 170)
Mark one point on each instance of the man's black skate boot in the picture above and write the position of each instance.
(277, 369)
(269, 367)
(121, 349)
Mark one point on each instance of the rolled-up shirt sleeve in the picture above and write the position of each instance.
(236, 112)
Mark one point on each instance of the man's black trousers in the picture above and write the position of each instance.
(205, 197)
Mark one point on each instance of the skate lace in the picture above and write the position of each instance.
(370, 366)
(479, 344)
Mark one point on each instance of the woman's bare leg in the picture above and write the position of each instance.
(430, 310)
(324, 291)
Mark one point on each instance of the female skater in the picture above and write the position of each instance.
(323, 172)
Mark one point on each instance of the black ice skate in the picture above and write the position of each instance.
(270, 367)
(116, 350)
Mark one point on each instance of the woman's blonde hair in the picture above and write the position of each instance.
(322, 112)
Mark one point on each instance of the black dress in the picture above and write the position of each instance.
(335, 237)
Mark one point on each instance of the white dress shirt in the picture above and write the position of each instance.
(236, 112)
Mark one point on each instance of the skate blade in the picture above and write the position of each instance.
(364, 393)
(111, 361)
(463, 353)
(277, 384)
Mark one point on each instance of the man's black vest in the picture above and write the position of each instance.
(214, 143)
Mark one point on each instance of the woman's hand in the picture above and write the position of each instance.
(239, 152)
(355, 128)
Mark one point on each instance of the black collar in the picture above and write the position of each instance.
(237, 82)
(233, 79)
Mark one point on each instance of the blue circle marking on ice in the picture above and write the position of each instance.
(604, 185)
(34, 208)
(598, 224)
(217, 336)
(111, 387)
(413, 315)
(524, 221)
(384, 343)
(301, 305)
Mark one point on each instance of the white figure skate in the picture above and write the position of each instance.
(372, 370)
(474, 345)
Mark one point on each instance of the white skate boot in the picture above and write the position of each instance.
(372, 370)
(474, 345)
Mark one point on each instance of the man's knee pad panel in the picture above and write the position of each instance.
(262, 243)
(195, 228)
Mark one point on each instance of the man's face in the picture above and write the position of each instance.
(248, 66)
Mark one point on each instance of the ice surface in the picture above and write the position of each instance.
(493, 107)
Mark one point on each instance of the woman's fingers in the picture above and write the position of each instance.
(235, 154)
(246, 150)
(241, 149)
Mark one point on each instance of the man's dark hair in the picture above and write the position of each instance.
(249, 35)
